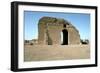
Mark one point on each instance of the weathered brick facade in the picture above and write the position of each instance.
(50, 29)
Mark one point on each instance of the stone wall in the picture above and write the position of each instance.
(50, 29)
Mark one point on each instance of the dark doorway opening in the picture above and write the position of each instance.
(65, 37)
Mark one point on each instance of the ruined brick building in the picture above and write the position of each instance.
(50, 29)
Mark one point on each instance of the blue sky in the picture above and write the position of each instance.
(79, 20)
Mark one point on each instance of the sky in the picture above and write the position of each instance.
(80, 20)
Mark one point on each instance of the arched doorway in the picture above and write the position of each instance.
(64, 37)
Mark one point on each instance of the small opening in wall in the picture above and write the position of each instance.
(64, 25)
(64, 37)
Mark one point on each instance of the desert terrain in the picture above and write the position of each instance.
(55, 52)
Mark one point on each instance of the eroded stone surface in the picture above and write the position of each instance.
(50, 29)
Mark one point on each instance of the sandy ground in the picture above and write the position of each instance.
(56, 52)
